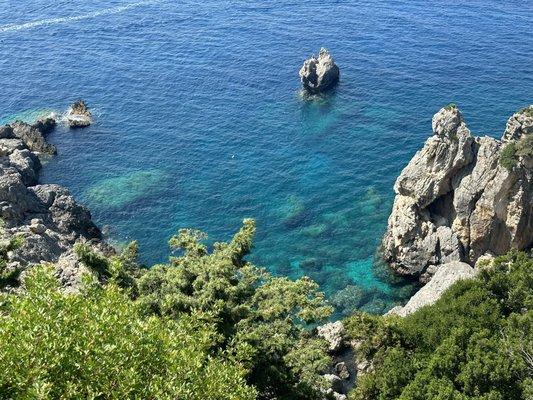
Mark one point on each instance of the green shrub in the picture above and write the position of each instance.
(96, 345)
(524, 147)
(508, 158)
(261, 319)
(528, 111)
(450, 106)
(8, 274)
(475, 342)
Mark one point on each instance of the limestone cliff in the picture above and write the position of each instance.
(455, 201)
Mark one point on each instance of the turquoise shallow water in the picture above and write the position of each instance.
(199, 121)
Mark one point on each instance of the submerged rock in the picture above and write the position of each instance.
(319, 74)
(455, 202)
(293, 212)
(79, 116)
(120, 191)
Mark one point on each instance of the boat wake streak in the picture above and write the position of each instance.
(61, 20)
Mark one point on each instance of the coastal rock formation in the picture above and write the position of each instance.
(46, 217)
(33, 136)
(446, 276)
(319, 74)
(455, 201)
(79, 116)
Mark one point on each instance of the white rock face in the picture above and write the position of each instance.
(446, 275)
(455, 202)
(319, 74)
(333, 333)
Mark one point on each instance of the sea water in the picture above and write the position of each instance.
(199, 120)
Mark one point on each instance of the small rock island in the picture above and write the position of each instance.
(79, 116)
(319, 74)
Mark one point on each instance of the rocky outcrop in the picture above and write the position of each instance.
(445, 276)
(46, 217)
(79, 116)
(319, 74)
(333, 333)
(342, 374)
(33, 136)
(455, 202)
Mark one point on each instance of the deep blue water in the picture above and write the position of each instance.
(199, 121)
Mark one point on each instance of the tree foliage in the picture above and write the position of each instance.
(8, 274)
(476, 342)
(96, 345)
(508, 157)
(207, 325)
(261, 319)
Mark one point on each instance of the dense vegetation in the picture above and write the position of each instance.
(8, 274)
(513, 150)
(508, 158)
(476, 342)
(208, 325)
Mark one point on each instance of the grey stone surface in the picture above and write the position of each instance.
(445, 276)
(333, 333)
(47, 217)
(78, 115)
(455, 202)
(319, 74)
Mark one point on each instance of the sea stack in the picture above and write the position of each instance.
(79, 116)
(319, 74)
(462, 197)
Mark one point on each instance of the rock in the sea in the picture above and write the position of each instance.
(319, 74)
(445, 276)
(333, 333)
(455, 202)
(79, 116)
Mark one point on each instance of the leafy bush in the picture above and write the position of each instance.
(8, 274)
(208, 325)
(524, 147)
(260, 318)
(96, 345)
(508, 157)
(450, 106)
(475, 342)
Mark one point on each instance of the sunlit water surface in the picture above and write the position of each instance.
(199, 120)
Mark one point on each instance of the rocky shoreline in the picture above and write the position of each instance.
(455, 201)
(45, 216)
